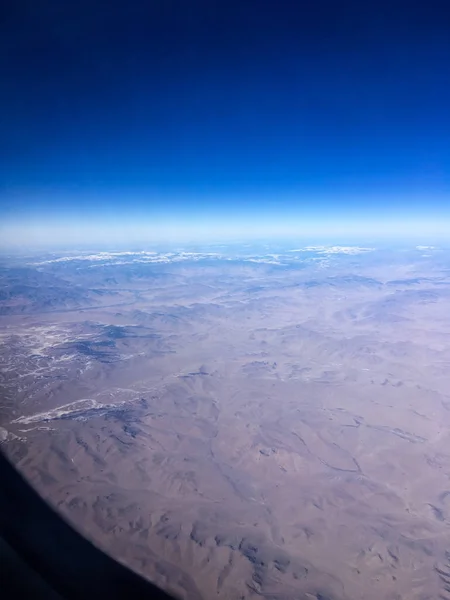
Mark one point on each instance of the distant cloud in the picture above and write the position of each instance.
(334, 249)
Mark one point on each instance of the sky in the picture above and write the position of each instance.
(171, 119)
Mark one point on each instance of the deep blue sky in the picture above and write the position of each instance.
(173, 108)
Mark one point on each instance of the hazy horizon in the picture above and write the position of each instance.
(99, 231)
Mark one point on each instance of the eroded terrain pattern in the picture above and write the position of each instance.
(240, 422)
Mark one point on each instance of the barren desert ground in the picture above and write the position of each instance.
(240, 422)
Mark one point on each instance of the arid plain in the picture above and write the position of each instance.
(240, 422)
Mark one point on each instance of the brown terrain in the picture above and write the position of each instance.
(238, 424)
